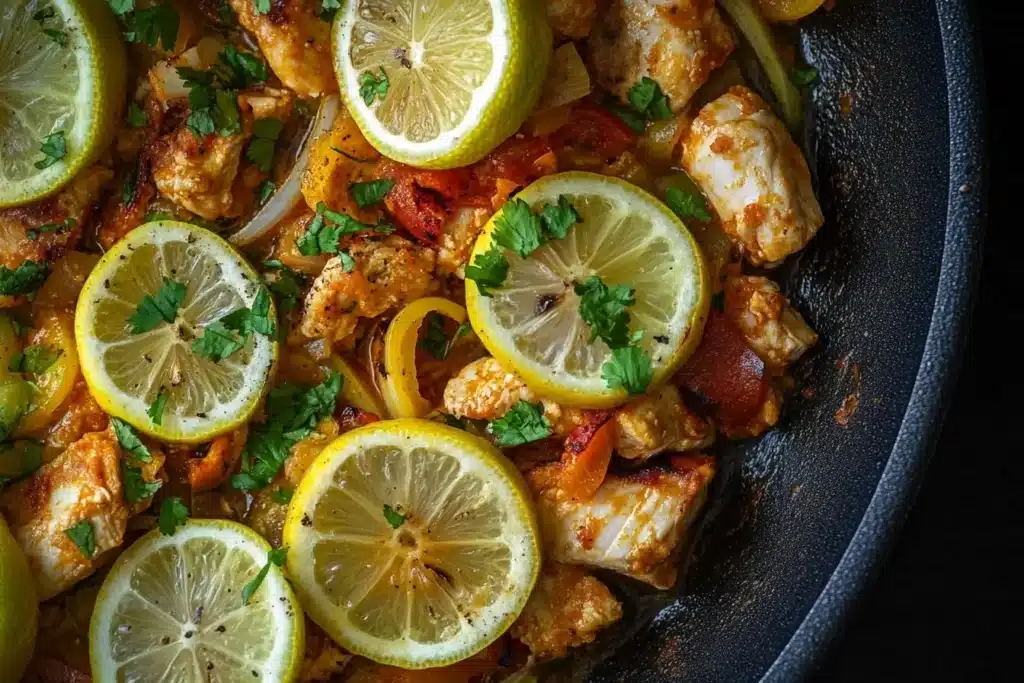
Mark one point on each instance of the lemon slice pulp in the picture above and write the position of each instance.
(626, 237)
(171, 609)
(421, 540)
(70, 80)
(440, 83)
(127, 372)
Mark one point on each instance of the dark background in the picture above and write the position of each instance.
(949, 606)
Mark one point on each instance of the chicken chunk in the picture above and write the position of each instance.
(202, 175)
(657, 422)
(755, 176)
(572, 18)
(458, 236)
(634, 524)
(770, 326)
(388, 274)
(566, 609)
(677, 43)
(81, 485)
(295, 41)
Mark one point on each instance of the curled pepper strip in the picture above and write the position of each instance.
(401, 387)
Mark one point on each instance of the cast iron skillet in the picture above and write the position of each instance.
(802, 517)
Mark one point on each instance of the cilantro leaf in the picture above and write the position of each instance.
(687, 205)
(156, 410)
(130, 441)
(121, 7)
(135, 487)
(435, 341)
(67, 224)
(200, 122)
(276, 557)
(348, 264)
(369, 193)
(164, 306)
(327, 229)
(227, 117)
(240, 69)
(393, 517)
(226, 14)
(286, 285)
(256, 319)
(83, 536)
(57, 36)
(488, 270)
(153, 24)
(523, 423)
(26, 278)
(35, 359)
(292, 415)
(264, 190)
(647, 99)
(558, 218)
(217, 342)
(518, 228)
(54, 148)
(128, 189)
(631, 118)
(173, 514)
(604, 309)
(804, 77)
(371, 87)
(282, 496)
(261, 6)
(136, 117)
(629, 368)
(261, 149)
(328, 8)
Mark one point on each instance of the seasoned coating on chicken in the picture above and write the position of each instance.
(483, 390)
(634, 524)
(83, 484)
(657, 422)
(677, 43)
(202, 175)
(572, 18)
(767, 416)
(770, 326)
(295, 41)
(388, 274)
(81, 415)
(458, 236)
(566, 609)
(755, 176)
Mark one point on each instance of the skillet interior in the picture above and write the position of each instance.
(789, 504)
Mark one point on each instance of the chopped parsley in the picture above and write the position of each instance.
(804, 77)
(292, 415)
(326, 230)
(261, 6)
(648, 100)
(173, 514)
(121, 7)
(218, 342)
(488, 270)
(156, 409)
(152, 25)
(226, 14)
(627, 115)
(57, 36)
(369, 193)
(67, 224)
(213, 97)
(54, 148)
(282, 496)
(264, 190)
(604, 309)
(523, 423)
(371, 86)
(630, 368)
(393, 517)
(276, 557)
(518, 228)
(128, 189)
(136, 117)
(687, 204)
(83, 536)
(264, 138)
(328, 8)
(558, 218)
(240, 69)
(26, 278)
(152, 309)
(435, 341)
(130, 441)
(35, 359)
(285, 284)
(135, 486)
(224, 337)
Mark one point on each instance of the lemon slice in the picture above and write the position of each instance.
(18, 608)
(437, 83)
(127, 372)
(171, 609)
(627, 237)
(48, 87)
(421, 543)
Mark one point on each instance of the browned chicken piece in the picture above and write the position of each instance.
(677, 43)
(295, 41)
(458, 236)
(566, 609)
(81, 486)
(766, 418)
(770, 326)
(572, 18)
(635, 524)
(388, 274)
(43, 231)
(81, 415)
(202, 175)
(658, 422)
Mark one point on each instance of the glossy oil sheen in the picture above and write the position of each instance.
(802, 517)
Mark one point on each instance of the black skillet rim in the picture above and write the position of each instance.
(940, 362)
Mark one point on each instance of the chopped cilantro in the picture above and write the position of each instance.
(164, 306)
(152, 25)
(327, 229)
(328, 8)
(54, 148)
(687, 204)
(286, 285)
(261, 148)
(261, 6)
(518, 228)
(217, 342)
(282, 496)
(240, 69)
(173, 514)
(57, 36)
(629, 368)
(264, 190)
(488, 270)
(226, 14)
(67, 224)
(130, 441)
(128, 189)
(435, 341)
(558, 218)
(83, 536)
(647, 99)
(35, 359)
(121, 7)
(276, 557)
(135, 486)
(523, 423)
(26, 278)
(156, 410)
(369, 193)
(224, 337)
(371, 87)
(604, 309)
(804, 77)
(393, 517)
(627, 115)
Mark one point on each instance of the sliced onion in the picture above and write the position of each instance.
(567, 79)
(286, 197)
